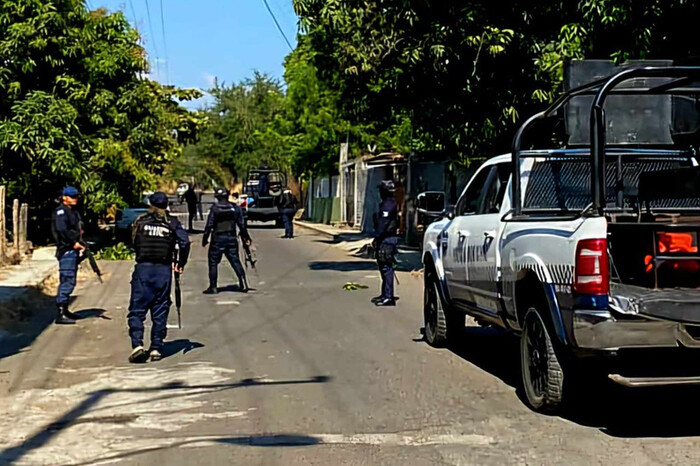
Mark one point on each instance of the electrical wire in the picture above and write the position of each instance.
(165, 43)
(153, 36)
(279, 28)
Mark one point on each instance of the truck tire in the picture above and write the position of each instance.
(441, 324)
(542, 373)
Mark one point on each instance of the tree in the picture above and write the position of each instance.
(77, 108)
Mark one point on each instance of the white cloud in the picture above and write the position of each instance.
(210, 80)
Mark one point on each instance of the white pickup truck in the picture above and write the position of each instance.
(589, 251)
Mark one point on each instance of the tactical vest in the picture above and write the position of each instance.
(225, 217)
(154, 239)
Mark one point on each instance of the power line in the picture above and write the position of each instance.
(165, 42)
(279, 28)
(133, 13)
(153, 36)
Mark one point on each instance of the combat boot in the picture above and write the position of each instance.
(211, 290)
(243, 285)
(386, 302)
(65, 317)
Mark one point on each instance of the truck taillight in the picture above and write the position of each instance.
(592, 272)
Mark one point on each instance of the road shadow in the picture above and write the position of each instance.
(166, 391)
(171, 348)
(92, 313)
(233, 289)
(595, 401)
(24, 315)
(263, 226)
(354, 266)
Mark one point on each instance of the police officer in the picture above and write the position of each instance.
(386, 242)
(66, 227)
(161, 245)
(287, 205)
(222, 222)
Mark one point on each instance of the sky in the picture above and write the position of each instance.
(207, 39)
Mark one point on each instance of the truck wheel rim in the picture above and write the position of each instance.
(537, 356)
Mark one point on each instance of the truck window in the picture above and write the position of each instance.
(496, 189)
(470, 201)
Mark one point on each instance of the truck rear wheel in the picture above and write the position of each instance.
(542, 374)
(441, 324)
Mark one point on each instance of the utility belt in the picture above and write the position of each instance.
(386, 251)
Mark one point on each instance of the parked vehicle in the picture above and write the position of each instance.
(263, 187)
(582, 252)
(125, 220)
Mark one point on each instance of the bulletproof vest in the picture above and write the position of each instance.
(154, 239)
(225, 217)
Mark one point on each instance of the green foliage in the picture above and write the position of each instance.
(118, 252)
(75, 106)
(461, 75)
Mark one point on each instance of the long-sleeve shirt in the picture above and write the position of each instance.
(66, 227)
(387, 222)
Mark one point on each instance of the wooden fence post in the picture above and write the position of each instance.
(2, 224)
(15, 227)
(23, 221)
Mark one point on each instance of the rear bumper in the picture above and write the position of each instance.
(263, 214)
(607, 330)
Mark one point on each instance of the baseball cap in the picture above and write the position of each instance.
(70, 191)
(158, 199)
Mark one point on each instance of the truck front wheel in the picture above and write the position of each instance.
(441, 324)
(543, 377)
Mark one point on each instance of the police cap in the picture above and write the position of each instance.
(221, 193)
(70, 191)
(159, 200)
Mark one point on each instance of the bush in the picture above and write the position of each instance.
(118, 252)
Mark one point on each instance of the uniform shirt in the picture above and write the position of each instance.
(216, 216)
(387, 222)
(287, 201)
(66, 227)
(180, 238)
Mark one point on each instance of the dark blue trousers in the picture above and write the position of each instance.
(385, 261)
(67, 272)
(288, 219)
(224, 245)
(150, 291)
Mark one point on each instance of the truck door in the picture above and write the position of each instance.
(482, 247)
(457, 239)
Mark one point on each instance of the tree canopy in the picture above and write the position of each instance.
(77, 107)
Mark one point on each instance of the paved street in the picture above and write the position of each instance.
(302, 372)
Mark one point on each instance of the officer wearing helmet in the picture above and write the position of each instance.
(225, 219)
(161, 245)
(386, 242)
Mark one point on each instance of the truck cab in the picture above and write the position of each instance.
(262, 189)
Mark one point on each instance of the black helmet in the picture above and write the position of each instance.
(387, 186)
(221, 193)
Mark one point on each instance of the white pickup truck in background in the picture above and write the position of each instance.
(583, 252)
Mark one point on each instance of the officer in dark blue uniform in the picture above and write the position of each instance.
(161, 245)
(66, 227)
(386, 242)
(223, 221)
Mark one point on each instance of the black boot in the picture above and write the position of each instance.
(64, 317)
(243, 285)
(386, 302)
(211, 290)
(376, 299)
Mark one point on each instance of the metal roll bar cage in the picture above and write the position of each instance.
(684, 80)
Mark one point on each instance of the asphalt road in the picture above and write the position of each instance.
(302, 372)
